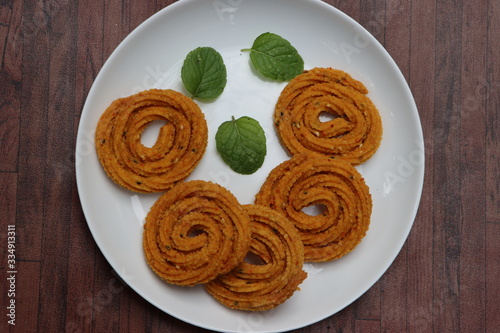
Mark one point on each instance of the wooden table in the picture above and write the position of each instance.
(445, 279)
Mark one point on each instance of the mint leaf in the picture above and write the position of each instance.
(242, 144)
(275, 58)
(203, 73)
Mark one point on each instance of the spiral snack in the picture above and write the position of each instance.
(180, 145)
(355, 131)
(258, 287)
(333, 184)
(195, 232)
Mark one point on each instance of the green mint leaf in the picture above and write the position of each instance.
(242, 144)
(275, 58)
(204, 73)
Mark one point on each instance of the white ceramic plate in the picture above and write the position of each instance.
(151, 57)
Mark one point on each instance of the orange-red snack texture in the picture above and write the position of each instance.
(263, 286)
(354, 131)
(195, 232)
(333, 184)
(180, 145)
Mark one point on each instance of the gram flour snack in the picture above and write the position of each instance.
(314, 180)
(195, 232)
(180, 145)
(263, 286)
(354, 131)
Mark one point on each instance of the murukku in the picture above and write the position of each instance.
(195, 232)
(335, 186)
(277, 271)
(352, 128)
(178, 149)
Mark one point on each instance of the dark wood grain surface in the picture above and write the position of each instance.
(446, 277)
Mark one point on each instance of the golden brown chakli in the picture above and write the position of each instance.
(195, 232)
(180, 145)
(354, 129)
(265, 285)
(331, 183)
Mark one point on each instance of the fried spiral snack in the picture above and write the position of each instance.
(180, 145)
(355, 131)
(331, 183)
(259, 287)
(195, 232)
